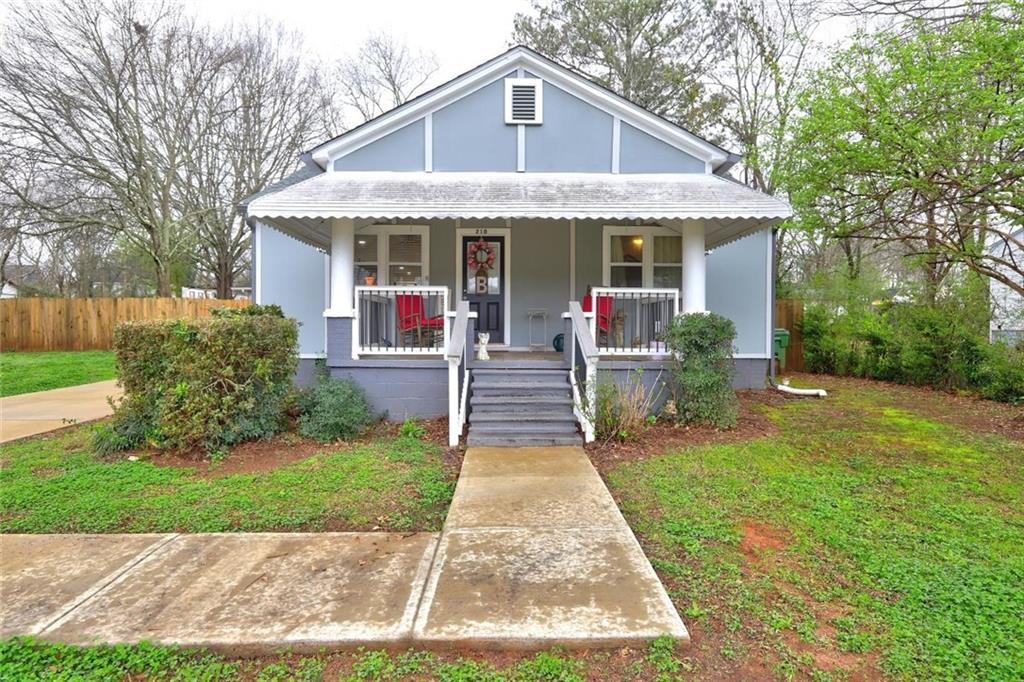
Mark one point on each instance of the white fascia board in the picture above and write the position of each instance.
(486, 74)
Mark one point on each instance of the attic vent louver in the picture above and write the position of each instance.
(524, 99)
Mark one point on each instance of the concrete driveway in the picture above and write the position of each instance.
(30, 414)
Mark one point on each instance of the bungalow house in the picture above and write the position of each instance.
(523, 205)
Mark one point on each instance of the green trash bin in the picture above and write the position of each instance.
(781, 343)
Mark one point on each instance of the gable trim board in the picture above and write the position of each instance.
(518, 60)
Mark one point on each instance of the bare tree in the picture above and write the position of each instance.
(761, 76)
(942, 12)
(382, 74)
(108, 95)
(264, 110)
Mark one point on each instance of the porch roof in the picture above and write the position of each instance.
(732, 209)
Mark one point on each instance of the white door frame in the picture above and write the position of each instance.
(460, 257)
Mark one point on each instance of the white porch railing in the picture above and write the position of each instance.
(397, 320)
(583, 357)
(632, 321)
(457, 353)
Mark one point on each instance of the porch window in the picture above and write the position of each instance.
(642, 257)
(394, 255)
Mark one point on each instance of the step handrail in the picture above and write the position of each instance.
(457, 355)
(583, 402)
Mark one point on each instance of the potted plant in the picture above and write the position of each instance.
(371, 280)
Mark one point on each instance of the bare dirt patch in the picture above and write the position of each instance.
(663, 437)
(760, 537)
(246, 458)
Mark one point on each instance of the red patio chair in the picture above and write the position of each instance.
(604, 313)
(413, 321)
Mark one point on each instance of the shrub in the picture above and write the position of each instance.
(333, 409)
(941, 345)
(702, 369)
(622, 411)
(256, 309)
(211, 382)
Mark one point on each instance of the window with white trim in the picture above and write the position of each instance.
(392, 255)
(647, 256)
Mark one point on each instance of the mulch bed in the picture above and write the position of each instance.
(663, 436)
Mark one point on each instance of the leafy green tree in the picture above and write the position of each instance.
(918, 142)
(657, 53)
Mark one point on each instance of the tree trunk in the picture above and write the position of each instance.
(163, 279)
(225, 280)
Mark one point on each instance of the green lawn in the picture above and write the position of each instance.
(861, 537)
(26, 660)
(30, 372)
(57, 485)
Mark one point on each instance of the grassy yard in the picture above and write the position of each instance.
(30, 372)
(24, 659)
(57, 485)
(873, 533)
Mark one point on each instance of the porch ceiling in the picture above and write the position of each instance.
(729, 209)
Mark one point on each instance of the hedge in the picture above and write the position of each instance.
(912, 344)
(209, 382)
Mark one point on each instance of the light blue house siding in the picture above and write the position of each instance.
(738, 288)
(470, 134)
(293, 275)
(570, 140)
(643, 153)
(402, 150)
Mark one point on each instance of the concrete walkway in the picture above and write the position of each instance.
(30, 414)
(534, 552)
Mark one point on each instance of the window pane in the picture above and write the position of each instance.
(363, 271)
(485, 280)
(405, 248)
(406, 275)
(668, 249)
(366, 248)
(670, 277)
(627, 249)
(627, 276)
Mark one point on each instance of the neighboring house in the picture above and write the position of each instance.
(1007, 321)
(494, 202)
(196, 292)
(8, 290)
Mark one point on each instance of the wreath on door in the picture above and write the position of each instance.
(480, 255)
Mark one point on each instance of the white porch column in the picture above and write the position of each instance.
(342, 268)
(694, 268)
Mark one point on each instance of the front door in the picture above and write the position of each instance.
(483, 283)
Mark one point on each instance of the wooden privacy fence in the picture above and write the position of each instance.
(789, 314)
(37, 324)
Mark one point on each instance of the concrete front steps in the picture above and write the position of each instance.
(521, 407)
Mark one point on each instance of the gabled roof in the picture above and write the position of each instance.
(522, 57)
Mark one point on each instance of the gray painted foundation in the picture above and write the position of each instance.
(403, 388)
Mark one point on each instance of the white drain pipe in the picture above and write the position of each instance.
(807, 392)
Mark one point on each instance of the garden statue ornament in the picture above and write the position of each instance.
(481, 350)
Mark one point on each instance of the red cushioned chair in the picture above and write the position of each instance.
(413, 323)
(604, 314)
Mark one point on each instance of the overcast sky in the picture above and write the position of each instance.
(460, 33)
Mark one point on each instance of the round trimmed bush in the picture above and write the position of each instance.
(333, 409)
